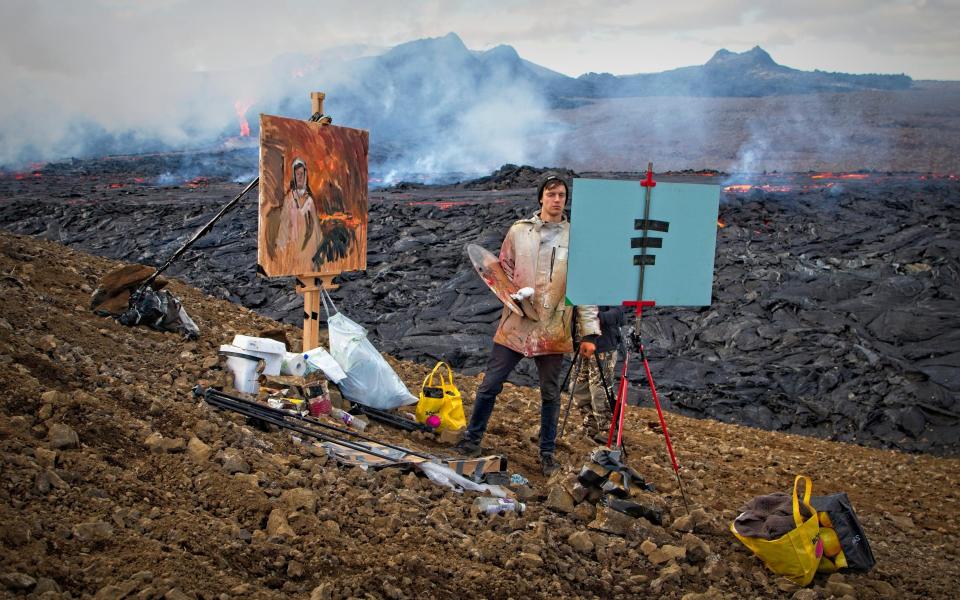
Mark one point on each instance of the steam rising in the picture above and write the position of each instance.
(438, 111)
(433, 107)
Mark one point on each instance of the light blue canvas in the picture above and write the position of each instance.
(601, 269)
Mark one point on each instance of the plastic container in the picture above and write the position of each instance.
(348, 419)
(320, 406)
(497, 506)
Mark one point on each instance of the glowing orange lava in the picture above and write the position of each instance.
(829, 175)
(241, 108)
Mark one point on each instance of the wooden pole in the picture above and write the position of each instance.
(316, 102)
(309, 285)
(310, 288)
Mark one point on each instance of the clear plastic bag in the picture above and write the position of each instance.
(370, 380)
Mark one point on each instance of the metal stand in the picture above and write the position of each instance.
(578, 362)
(616, 424)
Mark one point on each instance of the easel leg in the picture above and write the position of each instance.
(311, 319)
(310, 286)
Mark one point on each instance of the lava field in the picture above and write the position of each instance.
(835, 310)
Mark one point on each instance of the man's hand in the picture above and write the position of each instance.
(587, 349)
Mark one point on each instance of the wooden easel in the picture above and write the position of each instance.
(309, 284)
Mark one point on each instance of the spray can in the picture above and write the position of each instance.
(492, 506)
(348, 419)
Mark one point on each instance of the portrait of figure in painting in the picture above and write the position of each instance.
(313, 198)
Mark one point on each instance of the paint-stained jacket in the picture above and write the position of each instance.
(534, 254)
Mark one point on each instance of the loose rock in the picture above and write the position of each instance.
(696, 549)
(17, 581)
(612, 521)
(233, 462)
(581, 542)
(63, 436)
(299, 498)
(94, 531)
(277, 524)
(198, 451)
(560, 500)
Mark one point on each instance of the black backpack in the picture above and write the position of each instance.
(853, 541)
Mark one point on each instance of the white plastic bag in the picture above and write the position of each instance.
(370, 380)
(444, 475)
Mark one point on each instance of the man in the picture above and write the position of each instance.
(534, 255)
(588, 389)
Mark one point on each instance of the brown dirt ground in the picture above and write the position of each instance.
(110, 518)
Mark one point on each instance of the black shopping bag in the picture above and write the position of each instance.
(853, 541)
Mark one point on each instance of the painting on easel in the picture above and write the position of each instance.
(313, 198)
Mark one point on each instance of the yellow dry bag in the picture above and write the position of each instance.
(441, 401)
(795, 554)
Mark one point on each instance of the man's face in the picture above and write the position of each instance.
(300, 174)
(554, 200)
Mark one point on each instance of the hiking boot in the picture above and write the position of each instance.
(548, 464)
(468, 448)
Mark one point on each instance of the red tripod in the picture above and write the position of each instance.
(616, 424)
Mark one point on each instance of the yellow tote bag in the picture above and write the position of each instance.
(442, 400)
(794, 554)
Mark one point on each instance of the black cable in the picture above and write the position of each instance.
(267, 418)
(311, 420)
(270, 415)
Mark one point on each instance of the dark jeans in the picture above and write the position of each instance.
(502, 362)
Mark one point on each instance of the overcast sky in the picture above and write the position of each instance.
(88, 77)
(72, 37)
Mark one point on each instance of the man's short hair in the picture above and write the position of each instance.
(550, 181)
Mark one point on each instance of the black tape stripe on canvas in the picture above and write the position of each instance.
(650, 242)
(651, 225)
(646, 259)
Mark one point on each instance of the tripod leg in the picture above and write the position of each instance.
(603, 382)
(663, 424)
(578, 362)
(621, 399)
(566, 377)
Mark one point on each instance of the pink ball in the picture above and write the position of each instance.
(433, 421)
